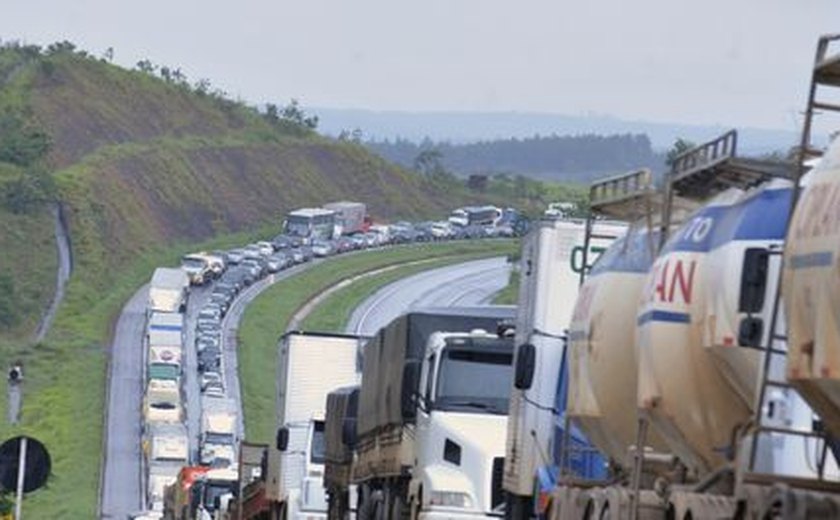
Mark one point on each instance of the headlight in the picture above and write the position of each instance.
(450, 499)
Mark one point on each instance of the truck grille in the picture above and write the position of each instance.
(497, 496)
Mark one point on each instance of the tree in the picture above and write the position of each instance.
(295, 114)
(146, 66)
(428, 162)
(108, 55)
(21, 142)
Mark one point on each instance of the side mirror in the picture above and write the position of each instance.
(410, 380)
(348, 432)
(750, 331)
(282, 438)
(753, 280)
(526, 360)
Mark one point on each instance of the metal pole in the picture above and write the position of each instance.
(21, 474)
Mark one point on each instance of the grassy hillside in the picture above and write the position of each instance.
(146, 169)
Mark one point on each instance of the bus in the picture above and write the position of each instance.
(311, 223)
(475, 216)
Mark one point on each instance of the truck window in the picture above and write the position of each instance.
(317, 449)
(430, 378)
(475, 377)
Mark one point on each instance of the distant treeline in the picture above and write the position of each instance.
(561, 158)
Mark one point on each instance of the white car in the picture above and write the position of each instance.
(208, 378)
(265, 248)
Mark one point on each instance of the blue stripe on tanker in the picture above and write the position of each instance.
(760, 217)
(165, 327)
(820, 259)
(665, 316)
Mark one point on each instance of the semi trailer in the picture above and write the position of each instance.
(555, 254)
(428, 435)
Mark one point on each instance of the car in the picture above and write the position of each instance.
(278, 262)
(321, 248)
(208, 312)
(234, 256)
(281, 242)
(209, 359)
(208, 325)
(251, 251)
(359, 241)
(222, 301)
(214, 390)
(244, 275)
(257, 266)
(307, 253)
(210, 377)
(343, 245)
(297, 255)
(265, 248)
(202, 343)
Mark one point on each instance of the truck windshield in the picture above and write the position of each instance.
(215, 490)
(299, 226)
(218, 438)
(475, 375)
(317, 449)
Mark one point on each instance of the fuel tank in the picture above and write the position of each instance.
(602, 351)
(811, 290)
(697, 378)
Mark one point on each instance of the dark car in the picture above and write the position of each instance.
(282, 242)
(209, 360)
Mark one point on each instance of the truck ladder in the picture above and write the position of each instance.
(825, 73)
(704, 171)
(628, 197)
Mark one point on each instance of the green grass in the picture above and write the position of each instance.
(268, 315)
(510, 294)
(65, 383)
(334, 312)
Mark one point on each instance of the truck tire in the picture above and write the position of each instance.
(370, 505)
(518, 508)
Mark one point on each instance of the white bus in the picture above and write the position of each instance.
(311, 223)
(475, 216)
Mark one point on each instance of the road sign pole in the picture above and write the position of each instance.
(21, 474)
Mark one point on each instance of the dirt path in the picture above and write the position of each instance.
(65, 267)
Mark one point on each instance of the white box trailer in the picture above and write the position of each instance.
(552, 259)
(311, 365)
(349, 216)
(168, 290)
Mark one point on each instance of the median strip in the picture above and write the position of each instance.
(270, 314)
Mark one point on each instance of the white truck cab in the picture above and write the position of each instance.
(461, 426)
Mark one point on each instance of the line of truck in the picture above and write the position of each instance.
(675, 355)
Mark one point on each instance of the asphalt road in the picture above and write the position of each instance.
(122, 487)
(121, 470)
(461, 285)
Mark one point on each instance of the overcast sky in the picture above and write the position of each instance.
(729, 62)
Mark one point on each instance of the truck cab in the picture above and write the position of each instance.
(218, 432)
(461, 425)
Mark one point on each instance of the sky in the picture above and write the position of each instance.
(727, 62)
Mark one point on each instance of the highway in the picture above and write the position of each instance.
(121, 469)
(123, 483)
(461, 285)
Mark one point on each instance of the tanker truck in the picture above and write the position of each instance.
(554, 255)
(428, 436)
(699, 327)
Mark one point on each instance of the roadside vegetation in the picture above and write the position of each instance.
(147, 164)
(268, 316)
(510, 294)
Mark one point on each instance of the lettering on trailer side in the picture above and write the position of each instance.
(672, 281)
(576, 259)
